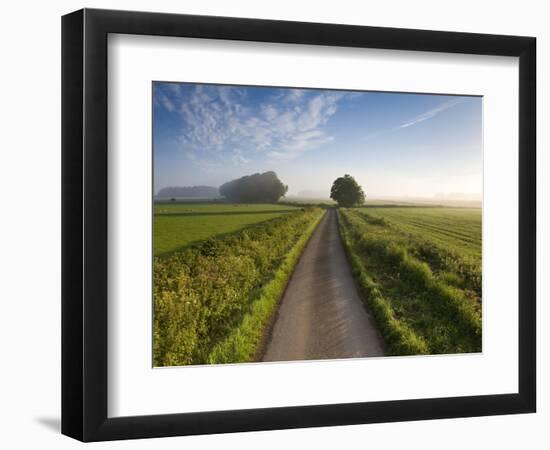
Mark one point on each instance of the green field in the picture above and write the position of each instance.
(220, 269)
(177, 225)
(457, 228)
(419, 270)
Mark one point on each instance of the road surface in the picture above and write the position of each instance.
(321, 315)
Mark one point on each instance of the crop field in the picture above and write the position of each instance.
(419, 270)
(213, 300)
(459, 228)
(177, 225)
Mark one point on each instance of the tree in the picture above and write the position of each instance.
(257, 188)
(347, 192)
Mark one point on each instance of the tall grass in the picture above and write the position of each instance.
(417, 311)
(399, 338)
(447, 261)
(212, 300)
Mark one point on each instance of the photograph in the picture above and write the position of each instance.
(295, 224)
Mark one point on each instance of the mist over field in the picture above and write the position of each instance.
(398, 146)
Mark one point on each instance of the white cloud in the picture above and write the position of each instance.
(294, 95)
(306, 141)
(431, 113)
(238, 159)
(167, 103)
(269, 112)
(280, 156)
(217, 120)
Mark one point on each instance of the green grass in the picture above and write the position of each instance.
(242, 344)
(456, 228)
(447, 239)
(179, 225)
(213, 300)
(419, 271)
(176, 208)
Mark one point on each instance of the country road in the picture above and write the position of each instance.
(321, 315)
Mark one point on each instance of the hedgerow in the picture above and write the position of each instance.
(212, 300)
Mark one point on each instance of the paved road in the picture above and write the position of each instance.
(321, 315)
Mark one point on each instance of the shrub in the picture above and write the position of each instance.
(201, 294)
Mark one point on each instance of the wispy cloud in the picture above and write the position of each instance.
(431, 113)
(222, 123)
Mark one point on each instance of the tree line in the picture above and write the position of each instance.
(268, 188)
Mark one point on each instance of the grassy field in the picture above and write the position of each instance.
(457, 228)
(177, 225)
(220, 270)
(213, 300)
(419, 270)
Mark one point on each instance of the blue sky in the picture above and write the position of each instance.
(394, 144)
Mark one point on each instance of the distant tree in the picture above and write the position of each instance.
(257, 188)
(347, 192)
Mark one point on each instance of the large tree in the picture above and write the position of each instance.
(347, 192)
(257, 188)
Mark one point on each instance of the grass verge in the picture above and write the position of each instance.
(398, 337)
(417, 312)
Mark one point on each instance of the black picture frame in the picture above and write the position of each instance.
(84, 224)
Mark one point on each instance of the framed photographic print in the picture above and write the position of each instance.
(273, 224)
